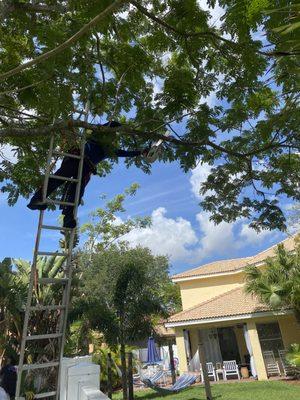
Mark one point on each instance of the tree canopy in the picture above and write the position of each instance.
(154, 65)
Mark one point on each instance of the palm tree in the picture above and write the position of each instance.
(14, 281)
(278, 282)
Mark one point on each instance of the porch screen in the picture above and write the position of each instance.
(250, 351)
(270, 337)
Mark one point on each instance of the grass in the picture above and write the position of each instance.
(230, 391)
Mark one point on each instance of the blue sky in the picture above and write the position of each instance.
(179, 228)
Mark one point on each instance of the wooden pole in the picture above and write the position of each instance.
(172, 366)
(130, 377)
(124, 372)
(109, 376)
(202, 357)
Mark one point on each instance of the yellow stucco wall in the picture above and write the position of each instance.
(257, 353)
(181, 350)
(290, 330)
(196, 291)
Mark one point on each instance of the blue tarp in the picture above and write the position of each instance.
(152, 355)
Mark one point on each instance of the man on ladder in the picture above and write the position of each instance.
(95, 151)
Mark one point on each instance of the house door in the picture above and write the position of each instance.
(228, 344)
(211, 344)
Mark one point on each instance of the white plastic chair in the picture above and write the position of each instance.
(210, 371)
(230, 368)
(271, 364)
(287, 369)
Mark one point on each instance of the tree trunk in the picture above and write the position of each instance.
(130, 377)
(202, 357)
(172, 366)
(109, 376)
(124, 371)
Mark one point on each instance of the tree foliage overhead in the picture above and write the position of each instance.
(151, 64)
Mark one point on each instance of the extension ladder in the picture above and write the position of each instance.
(65, 281)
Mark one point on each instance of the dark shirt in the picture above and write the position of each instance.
(96, 152)
(9, 379)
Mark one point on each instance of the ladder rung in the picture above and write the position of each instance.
(43, 395)
(64, 178)
(51, 253)
(52, 281)
(61, 203)
(67, 155)
(28, 367)
(46, 336)
(56, 228)
(47, 308)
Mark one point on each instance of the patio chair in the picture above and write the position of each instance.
(183, 382)
(230, 368)
(210, 371)
(271, 364)
(288, 370)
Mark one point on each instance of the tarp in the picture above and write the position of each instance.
(152, 355)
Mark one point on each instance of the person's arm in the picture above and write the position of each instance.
(127, 153)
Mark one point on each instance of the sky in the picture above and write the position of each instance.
(180, 229)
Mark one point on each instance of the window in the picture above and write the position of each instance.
(270, 337)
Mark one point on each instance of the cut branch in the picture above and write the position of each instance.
(86, 28)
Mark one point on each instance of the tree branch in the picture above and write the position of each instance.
(39, 8)
(206, 33)
(24, 87)
(69, 125)
(175, 30)
(43, 57)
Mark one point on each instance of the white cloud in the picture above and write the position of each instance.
(199, 175)
(252, 237)
(225, 238)
(179, 240)
(172, 237)
(215, 239)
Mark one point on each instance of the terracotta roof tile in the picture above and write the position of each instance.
(236, 264)
(232, 303)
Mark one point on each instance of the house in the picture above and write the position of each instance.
(233, 324)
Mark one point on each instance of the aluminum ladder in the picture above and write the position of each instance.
(65, 281)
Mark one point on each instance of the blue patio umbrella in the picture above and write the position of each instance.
(152, 355)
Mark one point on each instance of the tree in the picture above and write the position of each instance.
(57, 55)
(121, 296)
(278, 284)
(106, 227)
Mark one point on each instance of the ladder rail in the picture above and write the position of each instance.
(28, 304)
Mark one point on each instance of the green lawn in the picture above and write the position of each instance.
(231, 391)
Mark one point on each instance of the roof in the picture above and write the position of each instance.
(224, 266)
(232, 303)
(164, 332)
